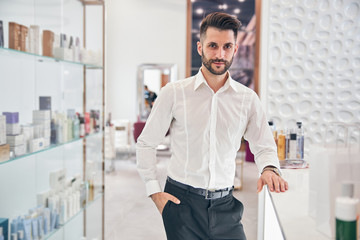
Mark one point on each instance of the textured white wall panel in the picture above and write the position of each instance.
(313, 64)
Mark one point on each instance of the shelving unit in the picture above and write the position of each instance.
(71, 85)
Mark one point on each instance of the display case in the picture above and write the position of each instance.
(51, 135)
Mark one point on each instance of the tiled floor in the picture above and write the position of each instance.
(130, 215)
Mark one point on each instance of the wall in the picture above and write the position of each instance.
(310, 63)
(137, 32)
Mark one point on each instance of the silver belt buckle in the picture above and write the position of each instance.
(207, 194)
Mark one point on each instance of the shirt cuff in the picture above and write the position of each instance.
(152, 186)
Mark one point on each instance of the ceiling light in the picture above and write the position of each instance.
(199, 11)
(241, 0)
(237, 10)
(225, 6)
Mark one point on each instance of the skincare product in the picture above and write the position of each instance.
(300, 141)
(76, 127)
(346, 221)
(47, 43)
(14, 36)
(26, 225)
(287, 142)
(40, 227)
(13, 128)
(11, 117)
(36, 144)
(34, 229)
(14, 236)
(34, 39)
(47, 220)
(23, 36)
(292, 146)
(21, 235)
(2, 129)
(4, 152)
(18, 150)
(1, 234)
(281, 145)
(42, 115)
(4, 225)
(82, 126)
(45, 103)
(15, 140)
(1, 34)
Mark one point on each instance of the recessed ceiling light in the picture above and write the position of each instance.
(241, 0)
(199, 11)
(237, 10)
(225, 6)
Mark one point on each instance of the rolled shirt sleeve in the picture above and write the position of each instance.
(155, 129)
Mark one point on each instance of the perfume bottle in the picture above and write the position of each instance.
(300, 141)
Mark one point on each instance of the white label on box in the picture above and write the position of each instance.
(12, 129)
(18, 150)
(41, 115)
(36, 144)
(15, 140)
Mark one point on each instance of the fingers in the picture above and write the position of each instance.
(172, 198)
(274, 182)
(260, 185)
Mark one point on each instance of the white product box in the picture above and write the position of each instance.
(28, 131)
(63, 53)
(18, 150)
(2, 129)
(46, 142)
(12, 128)
(47, 132)
(57, 179)
(41, 115)
(15, 140)
(45, 122)
(36, 144)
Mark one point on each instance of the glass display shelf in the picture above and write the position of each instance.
(46, 58)
(68, 221)
(52, 146)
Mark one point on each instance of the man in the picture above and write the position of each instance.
(208, 114)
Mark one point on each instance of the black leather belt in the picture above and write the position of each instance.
(208, 194)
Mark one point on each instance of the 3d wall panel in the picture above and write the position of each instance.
(313, 64)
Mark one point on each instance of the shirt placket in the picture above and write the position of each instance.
(212, 147)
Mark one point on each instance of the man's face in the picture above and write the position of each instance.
(217, 50)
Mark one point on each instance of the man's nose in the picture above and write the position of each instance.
(220, 53)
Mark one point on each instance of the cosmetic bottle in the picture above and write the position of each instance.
(64, 210)
(346, 219)
(70, 129)
(273, 130)
(281, 145)
(300, 141)
(82, 126)
(14, 236)
(76, 127)
(21, 235)
(1, 234)
(287, 143)
(1, 34)
(292, 146)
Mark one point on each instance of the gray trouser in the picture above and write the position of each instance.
(201, 219)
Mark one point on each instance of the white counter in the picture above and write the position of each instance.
(285, 215)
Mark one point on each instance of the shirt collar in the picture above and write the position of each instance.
(200, 79)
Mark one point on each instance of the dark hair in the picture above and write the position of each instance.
(221, 21)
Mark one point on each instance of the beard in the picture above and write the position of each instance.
(207, 63)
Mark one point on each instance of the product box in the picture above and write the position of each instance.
(45, 103)
(2, 129)
(41, 115)
(23, 36)
(28, 131)
(46, 123)
(63, 53)
(15, 140)
(34, 39)
(11, 117)
(1, 34)
(4, 224)
(14, 36)
(18, 150)
(36, 144)
(4, 152)
(47, 43)
(46, 142)
(13, 129)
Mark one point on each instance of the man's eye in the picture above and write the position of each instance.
(227, 46)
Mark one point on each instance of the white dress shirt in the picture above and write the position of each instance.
(206, 130)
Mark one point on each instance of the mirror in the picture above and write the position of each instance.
(150, 79)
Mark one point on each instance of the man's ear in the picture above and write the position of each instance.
(199, 47)
(236, 48)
